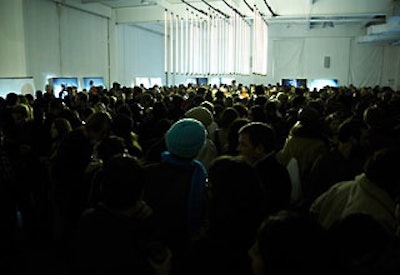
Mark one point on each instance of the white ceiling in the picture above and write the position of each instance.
(298, 8)
(315, 13)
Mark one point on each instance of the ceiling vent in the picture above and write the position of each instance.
(388, 33)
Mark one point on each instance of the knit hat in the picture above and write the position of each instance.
(185, 138)
(200, 113)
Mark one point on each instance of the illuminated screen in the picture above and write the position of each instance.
(19, 85)
(289, 82)
(298, 82)
(319, 84)
(301, 82)
(97, 81)
(143, 81)
(215, 81)
(226, 80)
(190, 81)
(155, 81)
(201, 81)
(62, 83)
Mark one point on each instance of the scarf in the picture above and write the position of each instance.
(196, 201)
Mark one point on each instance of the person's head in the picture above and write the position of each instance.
(256, 113)
(20, 113)
(242, 109)
(122, 125)
(200, 113)
(287, 243)
(56, 106)
(256, 140)
(359, 242)
(122, 183)
(350, 134)
(185, 138)
(228, 115)
(12, 99)
(98, 125)
(109, 147)
(235, 194)
(60, 127)
(209, 105)
(233, 135)
(308, 116)
(382, 169)
(375, 117)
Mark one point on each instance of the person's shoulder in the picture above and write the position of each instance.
(271, 162)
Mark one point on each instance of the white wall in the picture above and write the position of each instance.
(54, 38)
(141, 53)
(295, 51)
(64, 40)
(48, 38)
(12, 41)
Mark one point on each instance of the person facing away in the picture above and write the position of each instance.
(257, 143)
(209, 151)
(290, 242)
(361, 245)
(175, 190)
(70, 163)
(305, 141)
(235, 210)
(111, 237)
(340, 163)
(373, 192)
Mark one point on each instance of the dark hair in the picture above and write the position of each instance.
(99, 121)
(359, 242)
(122, 182)
(62, 125)
(291, 241)
(11, 98)
(382, 169)
(233, 134)
(236, 196)
(260, 133)
(257, 113)
(110, 147)
(241, 108)
(228, 115)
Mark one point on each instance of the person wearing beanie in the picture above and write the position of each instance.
(214, 125)
(209, 151)
(185, 138)
(176, 191)
(200, 113)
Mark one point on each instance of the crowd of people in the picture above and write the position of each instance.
(259, 179)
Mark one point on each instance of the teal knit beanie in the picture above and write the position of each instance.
(185, 138)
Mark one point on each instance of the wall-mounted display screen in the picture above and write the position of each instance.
(321, 83)
(143, 81)
(61, 84)
(155, 81)
(19, 85)
(289, 82)
(294, 82)
(93, 81)
(200, 81)
(301, 82)
(190, 81)
(227, 80)
(215, 81)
